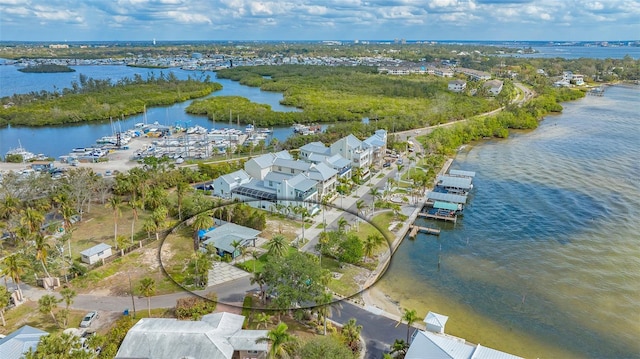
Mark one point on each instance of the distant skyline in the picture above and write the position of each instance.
(175, 20)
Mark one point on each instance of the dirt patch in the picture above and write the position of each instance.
(286, 227)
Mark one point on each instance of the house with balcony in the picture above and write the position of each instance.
(308, 151)
(351, 148)
(377, 145)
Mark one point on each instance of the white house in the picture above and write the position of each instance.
(434, 343)
(258, 167)
(457, 85)
(216, 335)
(377, 146)
(223, 185)
(96, 253)
(351, 148)
(494, 86)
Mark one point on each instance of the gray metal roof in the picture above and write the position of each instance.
(95, 249)
(447, 197)
(277, 177)
(238, 176)
(18, 342)
(295, 164)
(222, 237)
(316, 147)
(264, 161)
(321, 172)
(462, 173)
(427, 345)
(455, 182)
(302, 183)
(338, 161)
(213, 337)
(353, 141)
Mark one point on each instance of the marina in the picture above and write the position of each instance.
(447, 199)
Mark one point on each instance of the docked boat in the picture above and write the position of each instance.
(21, 151)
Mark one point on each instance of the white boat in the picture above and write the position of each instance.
(26, 155)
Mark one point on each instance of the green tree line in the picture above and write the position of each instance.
(95, 100)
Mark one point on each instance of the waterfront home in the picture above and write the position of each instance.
(258, 167)
(216, 335)
(96, 253)
(493, 86)
(434, 343)
(457, 85)
(223, 185)
(20, 341)
(350, 147)
(223, 237)
(377, 146)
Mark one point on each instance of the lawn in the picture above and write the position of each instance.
(28, 314)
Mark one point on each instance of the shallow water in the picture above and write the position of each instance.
(546, 260)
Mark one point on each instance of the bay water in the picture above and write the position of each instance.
(545, 262)
(55, 141)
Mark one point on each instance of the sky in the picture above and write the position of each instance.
(175, 20)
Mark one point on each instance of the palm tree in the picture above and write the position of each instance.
(5, 299)
(67, 296)
(148, 288)
(282, 343)
(46, 304)
(260, 279)
(237, 246)
(263, 319)
(42, 250)
(324, 308)
(342, 223)
(409, 316)
(114, 203)
(134, 204)
(181, 190)
(360, 206)
(202, 221)
(32, 219)
(277, 246)
(370, 243)
(159, 217)
(351, 334)
(375, 195)
(14, 267)
(399, 349)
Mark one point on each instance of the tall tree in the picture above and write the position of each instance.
(42, 251)
(181, 190)
(409, 316)
(370, 243)
(282, 343)
(147, 287)
(114, 204)
(202, 221)
(46, 304)
(360, 206)
(14, 268)
(5, 299)
(375, 195)
(135, 205)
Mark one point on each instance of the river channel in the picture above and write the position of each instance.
(55, 141)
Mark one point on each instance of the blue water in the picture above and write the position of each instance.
(55, 141)
(549, 245)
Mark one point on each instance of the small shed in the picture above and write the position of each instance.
(435, 322)
(96, 253)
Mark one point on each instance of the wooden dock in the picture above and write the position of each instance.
(415, 229)
(435, 216)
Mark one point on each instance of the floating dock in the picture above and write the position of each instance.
(437, 216)
(415, 229)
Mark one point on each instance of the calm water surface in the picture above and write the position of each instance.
(55, 141)
(546, 261)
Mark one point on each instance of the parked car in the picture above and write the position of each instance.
(88, 319)
(387, 164)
